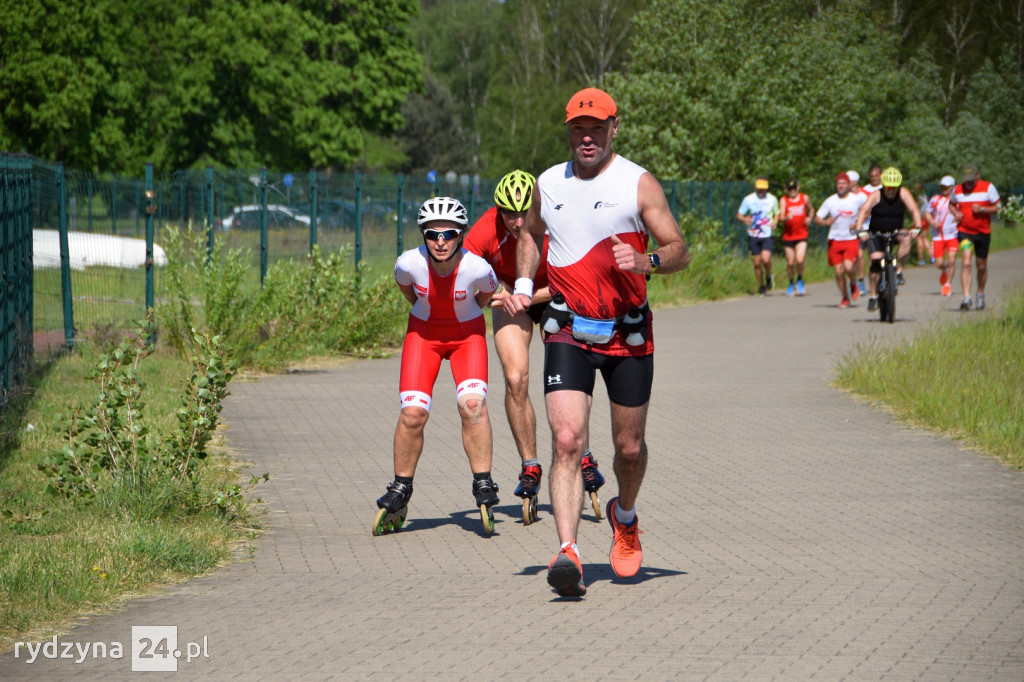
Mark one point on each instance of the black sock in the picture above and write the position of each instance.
(482, 477)
(405, 480)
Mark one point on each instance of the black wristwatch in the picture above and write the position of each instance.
(655, 261)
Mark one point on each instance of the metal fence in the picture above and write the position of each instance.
(271, 215)
(87, 257)
(16, 273)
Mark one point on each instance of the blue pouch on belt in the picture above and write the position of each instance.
(590, 330)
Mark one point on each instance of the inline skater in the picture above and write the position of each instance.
(887, 210)
(942, 216)
(977, 200)
(838, 213)
(599, 211)
(795, 210)
(759, 211)
(494, 237)
(447, 287)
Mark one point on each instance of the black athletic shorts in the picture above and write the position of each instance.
(571, 368)
(980, 242)
(759, 244)
(791, 243)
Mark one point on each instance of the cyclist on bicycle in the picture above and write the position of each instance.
(888, 209)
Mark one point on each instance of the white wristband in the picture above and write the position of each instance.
(524, 287)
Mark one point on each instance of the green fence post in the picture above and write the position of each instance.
(263, 224)
(65, 258)
(399, 211)
(113, 206)
(88, 205)
(725, 208)
(26, 252)
(209, 212)
(359, 218)
(312, 210)
(8, 343)
(692, 197)
(150, 211)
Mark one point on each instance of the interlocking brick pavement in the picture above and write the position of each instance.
(790, 532)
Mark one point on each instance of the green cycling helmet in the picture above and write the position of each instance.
(891, 177)
(515, 191)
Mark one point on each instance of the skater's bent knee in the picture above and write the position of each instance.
(473, 407)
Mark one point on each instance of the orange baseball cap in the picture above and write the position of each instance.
(590, 102)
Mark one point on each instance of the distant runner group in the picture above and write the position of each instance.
(956, 219)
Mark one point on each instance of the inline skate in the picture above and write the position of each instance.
(529, 484)
(592, 481)
(394, 508)
(486, 493)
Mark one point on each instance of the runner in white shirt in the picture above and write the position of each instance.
(759, 211)
(875, 184)
(944, 219)
(839, 213)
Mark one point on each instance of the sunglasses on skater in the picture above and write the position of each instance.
(449, 234)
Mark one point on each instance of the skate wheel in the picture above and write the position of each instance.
(379, 525)
(596, 502)
(400, 520)
(529, 510)
(487, 516)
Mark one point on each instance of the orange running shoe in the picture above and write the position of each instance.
(947, 290)
(565, 573)
(625, 555)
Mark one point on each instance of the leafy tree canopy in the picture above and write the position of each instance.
(106, 85)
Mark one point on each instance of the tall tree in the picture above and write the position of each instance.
(103, 85)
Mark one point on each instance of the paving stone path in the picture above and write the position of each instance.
(790, 532)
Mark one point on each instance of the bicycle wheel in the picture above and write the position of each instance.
(890, 293)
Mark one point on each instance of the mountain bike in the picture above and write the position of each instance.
(888, 284)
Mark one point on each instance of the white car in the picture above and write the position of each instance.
(278, 216)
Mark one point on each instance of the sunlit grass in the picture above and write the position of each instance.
(963, 379)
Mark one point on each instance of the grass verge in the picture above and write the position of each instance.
(964, 379)
(65, 557)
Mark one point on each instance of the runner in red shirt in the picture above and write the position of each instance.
(494, 237)
(977, 200)
(796, 210)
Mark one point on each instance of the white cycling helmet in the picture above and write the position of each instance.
(442, 208)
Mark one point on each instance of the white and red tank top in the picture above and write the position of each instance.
(582, 216)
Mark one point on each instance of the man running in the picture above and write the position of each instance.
(838, 213)
(977, 199)
(599, 211)
(874, 184)
(795, 210)
(887, 210)
(943, 218)
(494, 237)
(759, 211)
